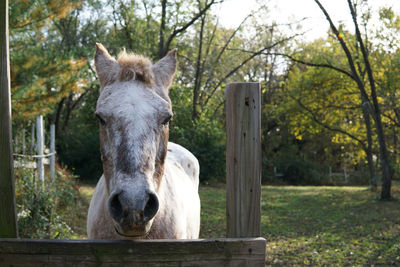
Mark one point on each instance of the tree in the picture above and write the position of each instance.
(369, 100)
(315, 55)
(316, 91)
(166, 39)
(40, 74)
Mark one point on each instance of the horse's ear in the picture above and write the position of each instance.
(164, 70)
(105, 65)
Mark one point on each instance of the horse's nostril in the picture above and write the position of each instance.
(133, 209)
(116, 210)
(151, 207)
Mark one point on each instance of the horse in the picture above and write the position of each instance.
(149, 186)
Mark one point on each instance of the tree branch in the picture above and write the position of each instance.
(254, 54)
(346, 50)
(221, 52)
(316, 64)
(187, 25)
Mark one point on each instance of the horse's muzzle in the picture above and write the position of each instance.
(133, 212)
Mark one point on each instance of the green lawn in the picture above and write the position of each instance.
(315, 225)
(318, 225)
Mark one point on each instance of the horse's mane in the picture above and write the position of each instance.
(135, 67)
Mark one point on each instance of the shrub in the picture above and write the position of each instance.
(297, 169)
(41, 207)
(206, 141)
(204, 137)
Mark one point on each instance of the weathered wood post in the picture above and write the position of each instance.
(52, 151)
(39, 137)
(8, 217)
(243, 160)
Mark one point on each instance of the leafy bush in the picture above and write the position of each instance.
(205, 137)
(297, 169)
(42, 208)
(206, 141)
(78, 146)
(300, 171)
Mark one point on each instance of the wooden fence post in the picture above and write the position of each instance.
(8, 217)
(243, 160)
(52, 151)
(39, 137)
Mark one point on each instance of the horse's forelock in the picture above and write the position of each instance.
(135, 67)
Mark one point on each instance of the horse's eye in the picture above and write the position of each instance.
(101, 120)
(167, 120)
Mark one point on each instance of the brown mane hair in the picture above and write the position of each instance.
(135, 67)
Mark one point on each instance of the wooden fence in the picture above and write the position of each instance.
(210, 252)
(243, 199)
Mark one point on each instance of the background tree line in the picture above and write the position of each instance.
(330, 102)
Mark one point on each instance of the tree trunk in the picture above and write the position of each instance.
(161, 49)
(385, 164)
(197, 81)
(373, 182)
(58, 115)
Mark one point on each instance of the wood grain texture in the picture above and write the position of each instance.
(208, 252)
(8, 226)
(243, 160)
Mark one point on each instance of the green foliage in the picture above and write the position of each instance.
(205, 138)
(80, 152)
(41, 75)
(297, 170)
(42, 207)
(52, 43)
(78, 146)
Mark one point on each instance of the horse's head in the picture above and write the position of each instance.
(133, 111)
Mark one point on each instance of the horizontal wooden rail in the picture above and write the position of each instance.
(203, 252)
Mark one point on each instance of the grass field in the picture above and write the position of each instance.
(310, 225)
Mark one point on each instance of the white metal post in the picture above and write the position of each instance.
(52, 150)
(39, 137)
